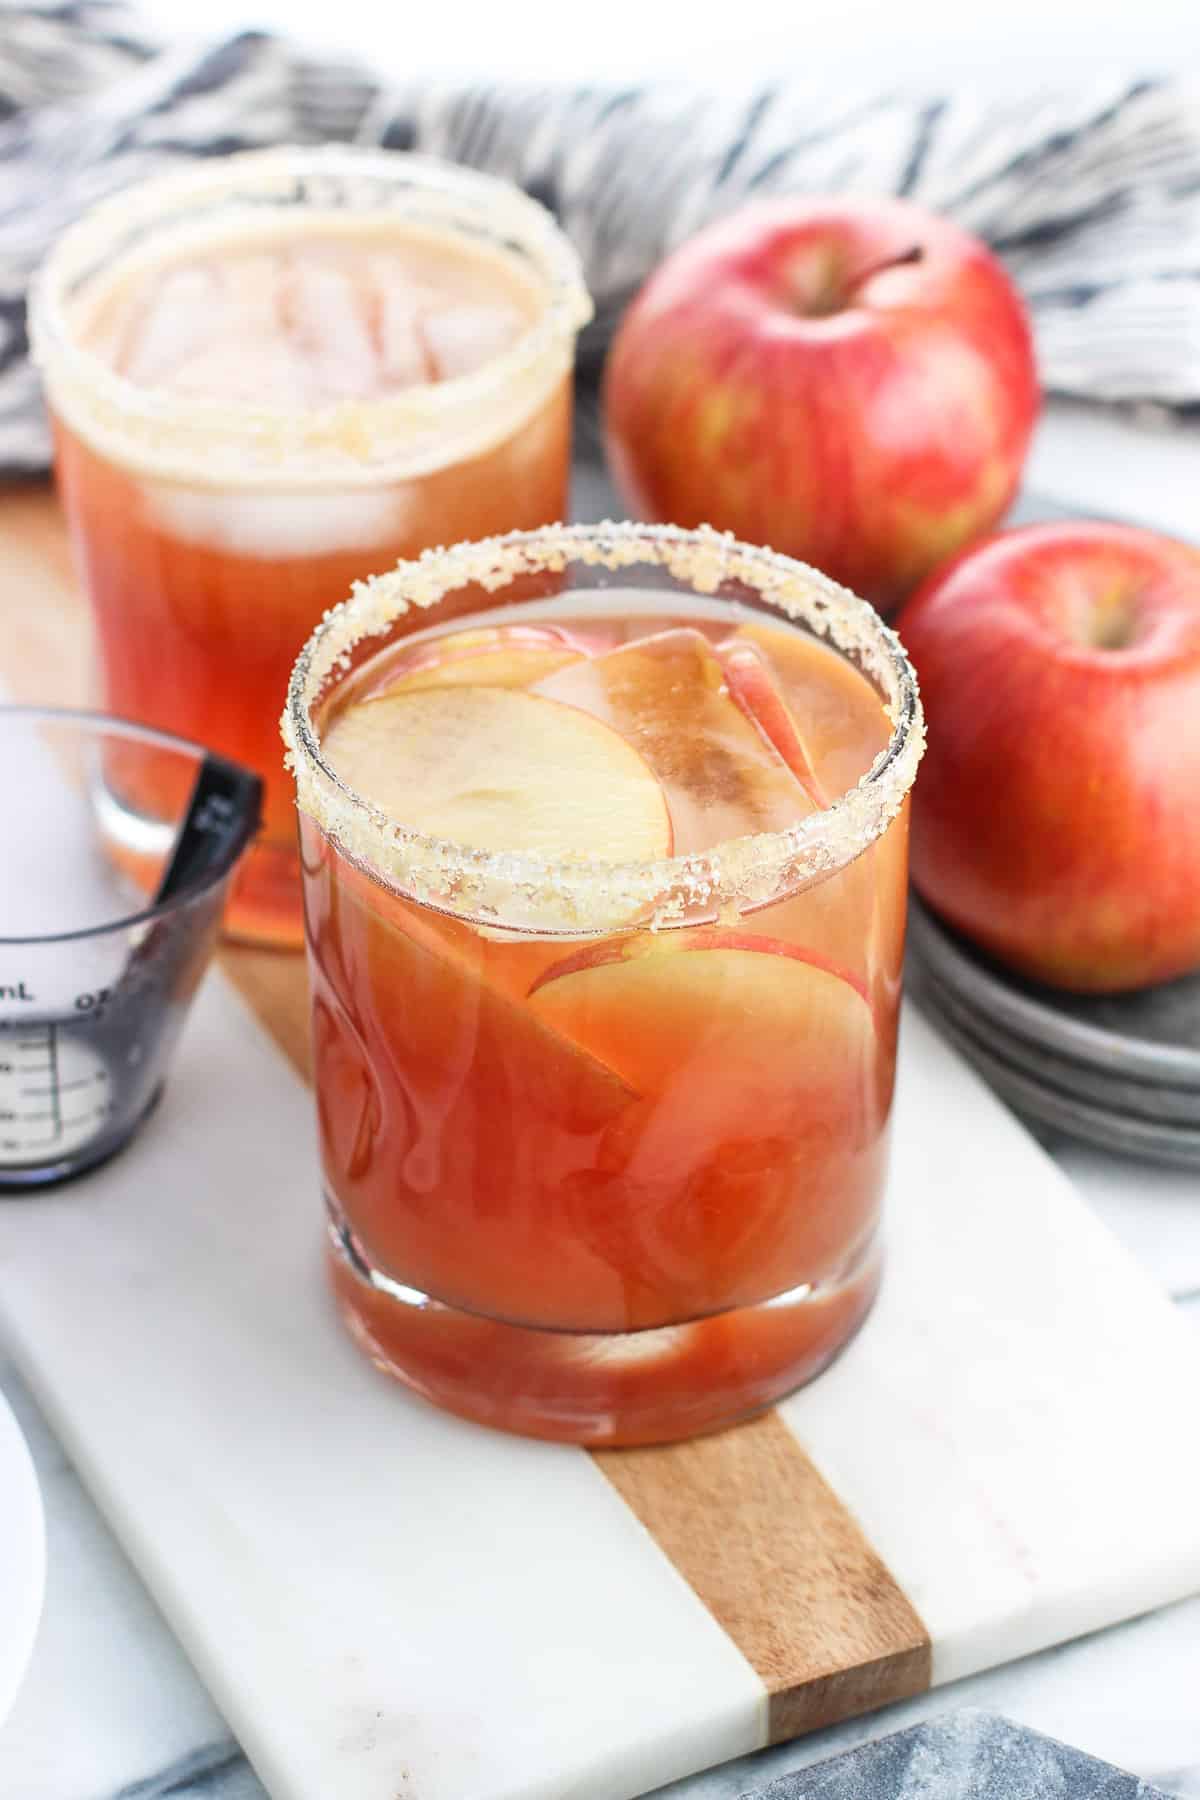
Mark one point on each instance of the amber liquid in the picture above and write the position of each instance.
(638, 1173)
(202, 596)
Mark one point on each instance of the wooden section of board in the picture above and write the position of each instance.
(783, 1568)
(44, 632)
(275, 984)
(744, 1516)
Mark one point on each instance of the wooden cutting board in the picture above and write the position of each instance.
(392, 1603)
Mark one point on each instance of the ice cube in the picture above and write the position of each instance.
(325, 313)
(279, 526)
(249, 294)
(462, 338)
(262, 371)
(357, 318)
(404, 358)
(667, 696)
(177, 321)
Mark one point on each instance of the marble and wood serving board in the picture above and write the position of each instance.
(390, 1604)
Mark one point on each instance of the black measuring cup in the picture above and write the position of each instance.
(117, 846)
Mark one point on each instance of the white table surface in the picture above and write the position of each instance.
(111, 1710)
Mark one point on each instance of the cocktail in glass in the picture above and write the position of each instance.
(272, 374)
(605, 899)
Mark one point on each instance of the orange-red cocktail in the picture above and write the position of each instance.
(605, 911)
(269, 376)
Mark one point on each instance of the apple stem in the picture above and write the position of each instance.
(914, 254)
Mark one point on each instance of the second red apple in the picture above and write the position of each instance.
(1056, 820)
(849, 381)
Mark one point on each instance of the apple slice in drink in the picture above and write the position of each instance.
(750, 1163)
(502, 769)
(667, 696)
(459, 1127)
(817, 699)
(836, 714)
(650, 1006)
(509, 656)
(754, 688)
(455, 1125)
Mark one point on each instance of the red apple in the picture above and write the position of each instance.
(850, 381)
(1056, 820)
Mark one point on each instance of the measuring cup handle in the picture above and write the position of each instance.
(222, 816)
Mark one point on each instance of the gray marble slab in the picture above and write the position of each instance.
(967, 1755)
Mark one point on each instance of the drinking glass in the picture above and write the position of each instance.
(605, 1141)
(212, 533)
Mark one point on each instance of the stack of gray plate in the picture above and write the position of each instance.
(1122, 1071)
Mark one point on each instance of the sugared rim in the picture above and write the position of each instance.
(177, 437)
(528, 892)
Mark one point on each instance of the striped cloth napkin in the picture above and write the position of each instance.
(1091, 197)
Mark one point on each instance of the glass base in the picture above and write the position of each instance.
(615, 1388)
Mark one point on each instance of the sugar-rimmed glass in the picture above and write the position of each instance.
(508, 1234)
(213, 535)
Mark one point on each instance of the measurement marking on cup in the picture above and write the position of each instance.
(64, 1087)
(56, 1090)
(56, 1096)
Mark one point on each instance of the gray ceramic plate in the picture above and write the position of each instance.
(1111, 1129)
(1152, 1036)
(1156, 1101)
